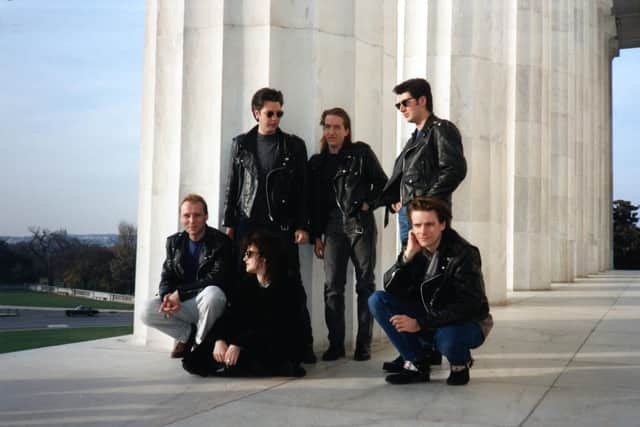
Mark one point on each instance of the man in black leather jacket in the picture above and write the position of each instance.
(434, 297)
(195, 276)
(267, 187)
(432, 162)
(346, 179)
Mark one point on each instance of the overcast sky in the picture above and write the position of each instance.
(70, 88)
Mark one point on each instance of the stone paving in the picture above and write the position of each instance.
(565, 357)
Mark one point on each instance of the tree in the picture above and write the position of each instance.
(47, 246)
(626, 235)
(123, 265)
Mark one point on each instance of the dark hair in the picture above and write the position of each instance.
(440, 207)
(195, 198)
(346, 122)
(265, 94)
(271, 248)
(417, 88)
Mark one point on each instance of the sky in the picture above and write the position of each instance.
(70, 96)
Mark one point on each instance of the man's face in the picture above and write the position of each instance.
(334, 131)
(193, 219)
(427, 228)
(251, 259)
(413, 110)
(268, 117)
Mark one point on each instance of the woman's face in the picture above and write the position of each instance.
(252, 259)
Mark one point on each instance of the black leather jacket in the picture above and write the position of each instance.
(359, 179)
(285, 186)
(455, 293)
(214, 267)
(432, 165)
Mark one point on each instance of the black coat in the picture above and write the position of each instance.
(431, 165)
(454, 294)
(214, 265)
(286, 184)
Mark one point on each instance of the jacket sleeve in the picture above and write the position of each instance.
(230, 206)
(168, 279)
(468, 284)
(401, 278)
(218, 270)
(451, 161)
(374, 175)
(301, 218)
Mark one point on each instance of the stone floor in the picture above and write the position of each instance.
(565, 357)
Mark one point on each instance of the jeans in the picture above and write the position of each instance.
(403, 225)
(453, 341)
(201, 311)
(355, 240)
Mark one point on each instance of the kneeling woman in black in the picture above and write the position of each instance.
(259, 334)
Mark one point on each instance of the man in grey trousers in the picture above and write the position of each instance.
(195, 276)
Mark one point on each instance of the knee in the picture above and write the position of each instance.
(450, 344)
(212, 297)
(149, 310)
(376, 301)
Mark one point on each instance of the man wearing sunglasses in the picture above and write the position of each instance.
(431, 163)
(266, 187)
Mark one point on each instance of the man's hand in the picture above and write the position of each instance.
(300, 237)
(365, 207)
(396, 206)
(404, 323)
(220, 351)
(318, 249)
(231, 358)
(230, 231)
(413, 247)
(170, 303)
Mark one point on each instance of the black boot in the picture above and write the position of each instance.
(334, 352)
(396, 365)
(416, 372)
(362, 353)
(459, 375)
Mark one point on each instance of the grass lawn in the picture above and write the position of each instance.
(44, 299)
(24, 340)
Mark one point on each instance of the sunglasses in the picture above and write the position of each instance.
(249, 253)
(277, 113)
(404, 103)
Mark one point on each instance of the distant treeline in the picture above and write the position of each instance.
(57, 258)
(626, 236)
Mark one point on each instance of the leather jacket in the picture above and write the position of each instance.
(285, 184)
(455, 293)
(430, 165)
(214, 266)
(359, 179)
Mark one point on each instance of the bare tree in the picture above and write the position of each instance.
(123, 265)
(46, 245)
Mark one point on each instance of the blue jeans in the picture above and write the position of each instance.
(453, 341)
(403, 225)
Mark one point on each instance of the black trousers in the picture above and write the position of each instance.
(354, 240)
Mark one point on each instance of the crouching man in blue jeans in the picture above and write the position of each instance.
(434, 297)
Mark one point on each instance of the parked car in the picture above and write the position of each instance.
(82, 310)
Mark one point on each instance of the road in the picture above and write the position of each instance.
(43, 319)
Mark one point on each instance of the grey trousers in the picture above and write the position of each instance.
(355, 240)
(201, 311)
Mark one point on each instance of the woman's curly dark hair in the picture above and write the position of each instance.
(271, 248)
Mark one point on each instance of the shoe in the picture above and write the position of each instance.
(395, 366)
(409, 376)
(459, 375)
(309, 356)
(362, 353)
(334, 352)
(180, 349)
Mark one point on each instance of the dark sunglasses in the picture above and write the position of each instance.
(249, 253)
(278, 113)
(404, 103)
